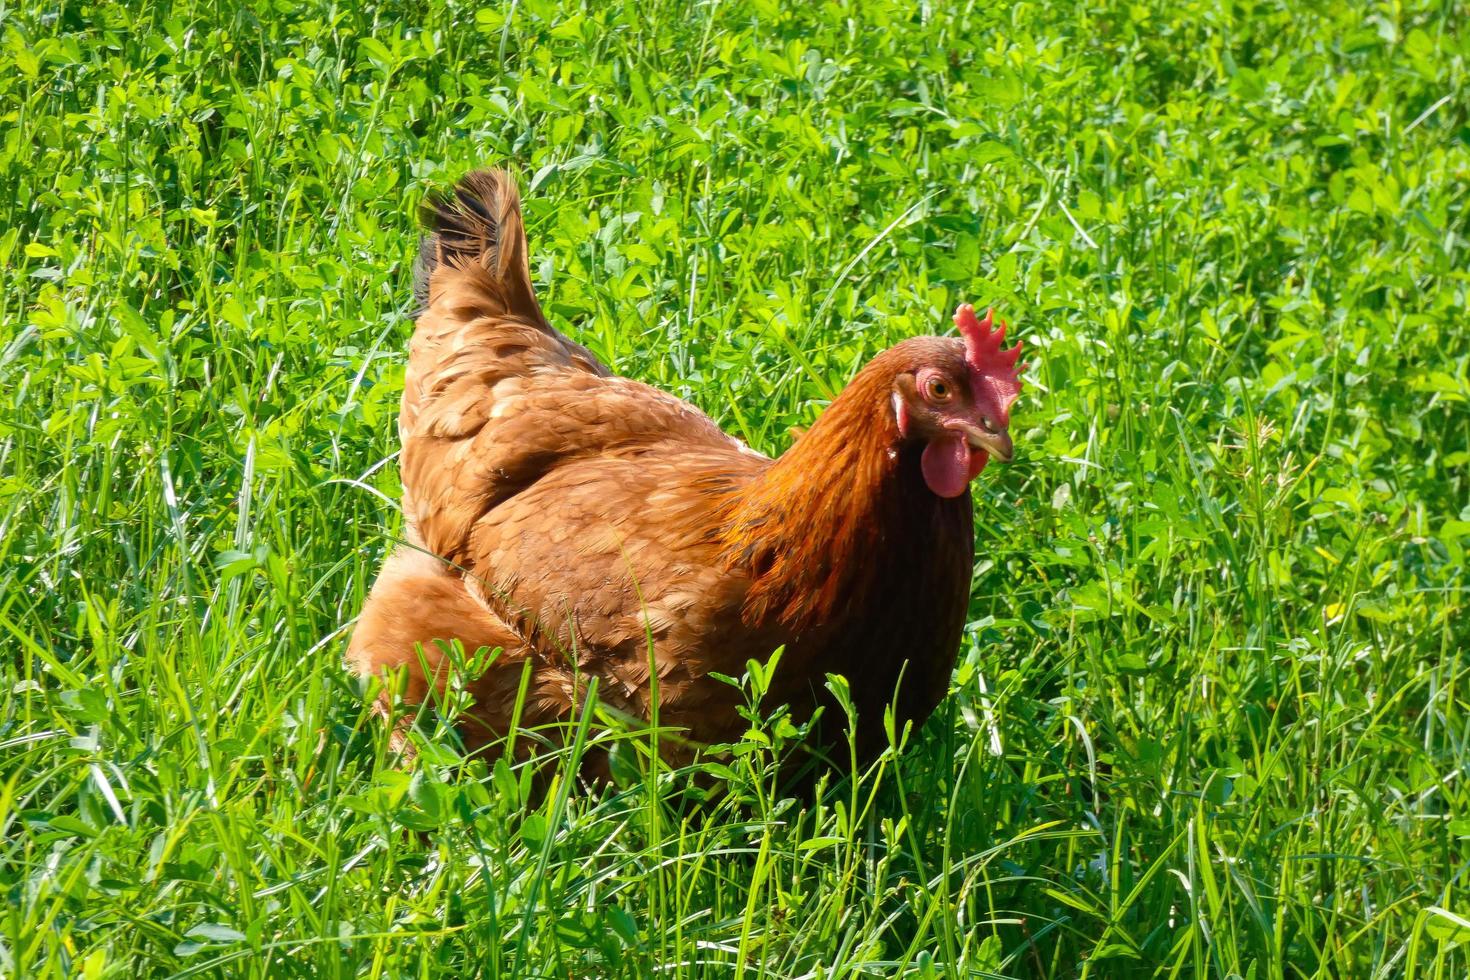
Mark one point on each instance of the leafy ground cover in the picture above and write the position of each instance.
(1210, 717)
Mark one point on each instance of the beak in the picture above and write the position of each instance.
(997, 444)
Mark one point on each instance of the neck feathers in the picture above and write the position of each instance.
(840, 516)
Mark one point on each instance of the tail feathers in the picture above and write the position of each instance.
(477, 229)
(478, 322)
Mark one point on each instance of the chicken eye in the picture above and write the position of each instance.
(936, 389)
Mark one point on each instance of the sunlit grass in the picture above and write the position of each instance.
(1209, 718)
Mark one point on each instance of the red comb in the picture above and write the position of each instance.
(994, 371)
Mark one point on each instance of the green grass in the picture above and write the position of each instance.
(1210, 718)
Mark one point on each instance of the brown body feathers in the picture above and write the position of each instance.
(569, 516)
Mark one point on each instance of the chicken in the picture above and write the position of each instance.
(595, 527)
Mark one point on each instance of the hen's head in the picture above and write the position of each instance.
(956, 400)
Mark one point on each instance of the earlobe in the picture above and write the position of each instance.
(901, 414)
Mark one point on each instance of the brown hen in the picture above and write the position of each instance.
(597, 527)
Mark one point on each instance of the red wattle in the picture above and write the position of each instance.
(978, 459)
(948, 465)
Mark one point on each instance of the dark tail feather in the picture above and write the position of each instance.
(478, 225)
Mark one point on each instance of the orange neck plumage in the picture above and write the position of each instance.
(817, 530)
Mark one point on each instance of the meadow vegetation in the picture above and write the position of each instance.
(1210, 717)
